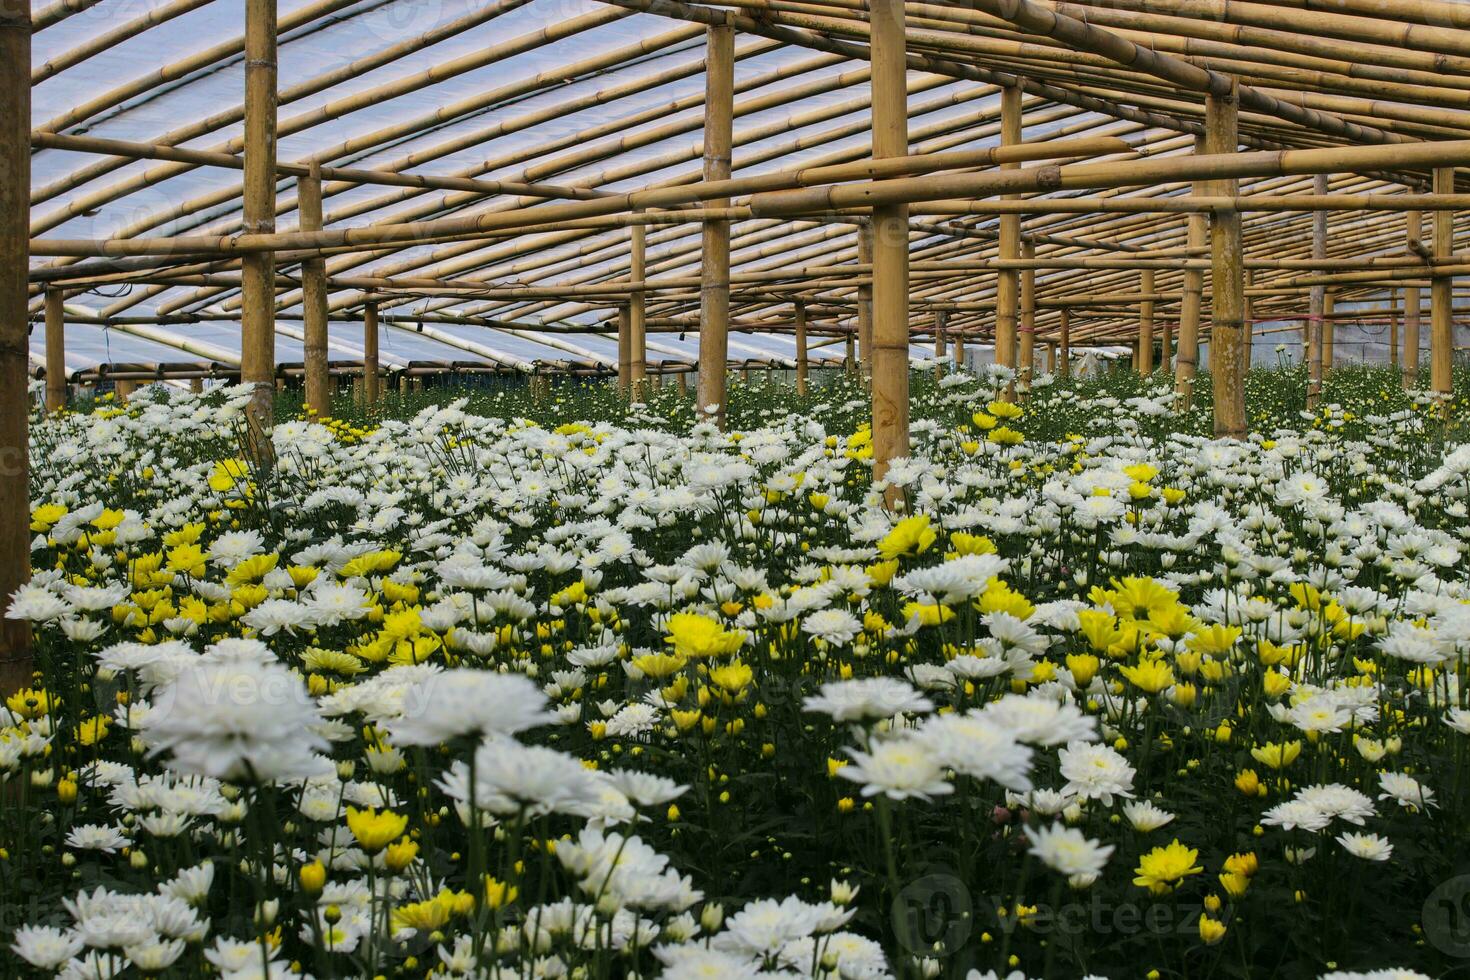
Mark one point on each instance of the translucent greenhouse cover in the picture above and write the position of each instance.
(477, 116)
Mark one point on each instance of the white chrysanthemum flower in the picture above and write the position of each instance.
(868, 698)
(1068, 851)
(1369, 847)
(462, 702)
(898, 767)
(1095, 772)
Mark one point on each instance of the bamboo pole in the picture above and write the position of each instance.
(1008, 285)
(865, 301)
(1329, 332)
(15, 187)
(625, 350)
(1166, 343)
(1412, 301)
(257, 329)
(714, 291)
(958, 343)
(370, 382)
(1146, 324)
(1441, 286)
(55, 350)
(1313, 337)
(1393, 330)
(940, 342)
(638, 315)
(890, 245)
(314, 301)
(1026, 331)
(1064, 340)
(1264, 203)
(801, 358)
(1186, 355)
(1051, 358)
(1228, 337)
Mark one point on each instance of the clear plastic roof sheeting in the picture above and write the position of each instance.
(570, 92)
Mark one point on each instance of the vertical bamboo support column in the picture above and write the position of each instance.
(958, 343)
(1008, 281)
(1412, 306)
(1146, 324)
(1051, 358)
(1393, 329)
(1329, 333)
(257, 324)
(865, 301)
(1026, 331)
(1065, 338)
(625, 349)
(55, 350)
(314, 298)
(1227, 277)
(638, 317)
(801, 359)
(123, 390)
(1166, 342)
(940, 344)
(714, 290)
(850, 355)
(15, 204)
(1441, 311)
(890, 242)
(1312, 336)
(1186, 352)
(370, 354)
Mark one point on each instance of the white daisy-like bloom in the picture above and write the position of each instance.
(1095, 772)
(1145, 816)
(1043, 721)
(975, 746)
(1338, 802)
(1405, 790)
(1294, 814)
(1066, 850)
(764, 927)
(464, 702)
(45, 947)
(899, 767)
(834, 626)
(868, 698)
(1369, 847)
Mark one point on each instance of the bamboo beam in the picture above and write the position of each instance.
(890, 244)
(103, 40)
(638, 314)
(1146, 324)
(15, 191)
(314, 301)
(1229, 339)
(801, 353)
(1313, 340)
(1441, 314)
(55, 350)
(1008, 285)
(1414, 221)
(257, 329)
(1026, 331)
(714, 290)
(370, 383)
(1193, 204)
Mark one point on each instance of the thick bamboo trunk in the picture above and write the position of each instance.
(1393, 329)
(1051, 358)
(625, 349)
(1166, 344)
(15, 191)
(314, 301)
(638, 316)
(714, 291)
(941, 343)
(1329, 333)
(370, 380)
(1008, 283)
(801, 359)
(1186, 354)
(1441, 312)
(1312, 339)
(849, 357)
(959, 351)
(1026, 329)
(257, 328)
(1064, 340)
(890, 244)
(865, 301)
(55, 350)
(1228, 337)
(1146, 324)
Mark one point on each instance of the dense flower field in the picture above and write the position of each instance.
(505, 687)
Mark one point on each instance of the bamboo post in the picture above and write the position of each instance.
(865, 301)
(638, 316)
(15, 203)
(1186, 353)
(850, 355)
(1441, 312)
(801, 360)
(370, 354)
(714, 290)
(314, 299)
(196, 386)
(55, 351)
(1146, 324)
(1314, 337)
(1329, 333)
(959, 351)
(890, 243)
(1007, 286)
(1412, 304)
(257, 326)
(1393, 329)
(1051, 358)
(123, 390)
(625, 349)
(939, 342)
(1064, 336)
(1227, 276)
(1166, 343)
(1026, 331)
